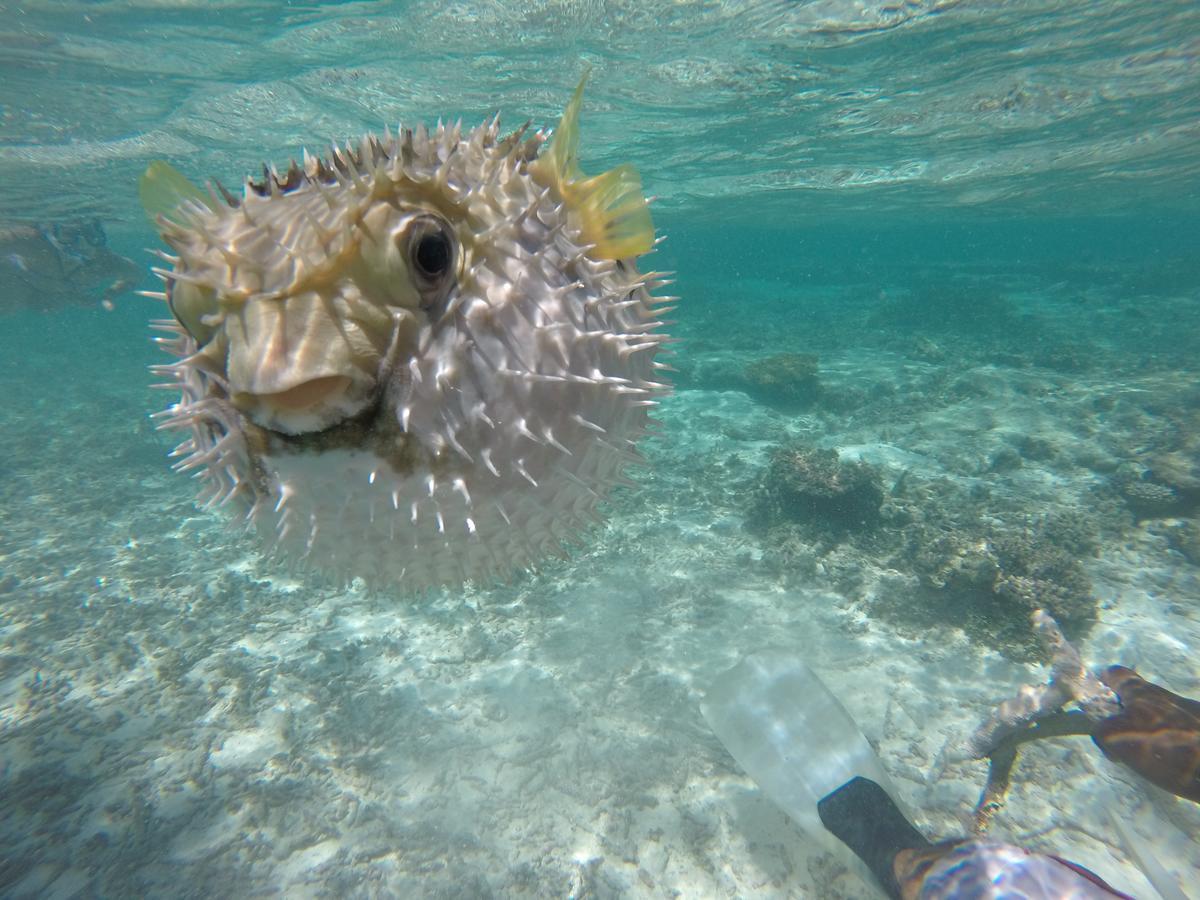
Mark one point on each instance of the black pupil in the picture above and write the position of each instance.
(433, 254)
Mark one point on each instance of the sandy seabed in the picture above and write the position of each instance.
(178, 718)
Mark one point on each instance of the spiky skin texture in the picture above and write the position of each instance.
(374, 423)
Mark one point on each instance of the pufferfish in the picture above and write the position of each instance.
(422, 359)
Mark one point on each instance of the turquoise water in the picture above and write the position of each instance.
(974, 226)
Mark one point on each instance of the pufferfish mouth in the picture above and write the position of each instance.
(313, 405)
(303, 360)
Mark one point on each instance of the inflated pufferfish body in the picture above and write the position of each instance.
(423, 359)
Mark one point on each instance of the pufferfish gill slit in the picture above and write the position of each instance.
(419, 360)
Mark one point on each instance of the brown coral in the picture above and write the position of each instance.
(816, 489)
(786, 381)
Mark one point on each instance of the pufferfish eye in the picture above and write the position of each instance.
(430, 252)
(431, 255)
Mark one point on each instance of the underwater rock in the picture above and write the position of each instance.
(815, 488)
(1033, 448)
(785, 381)
(928, 350)
(1185, 538)
(1005, 459)
(61, 264)
(1063, 355)
(788, 383)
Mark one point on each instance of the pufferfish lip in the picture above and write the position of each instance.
(312, 405)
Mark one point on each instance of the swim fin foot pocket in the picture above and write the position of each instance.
(862, 816)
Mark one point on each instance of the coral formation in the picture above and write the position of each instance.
(816, 490)
(925, 553)
(1179, 470)
(1148, 499)
(785, 381)
(990, 583)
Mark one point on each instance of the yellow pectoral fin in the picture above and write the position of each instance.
(162, 188)
(614, 213)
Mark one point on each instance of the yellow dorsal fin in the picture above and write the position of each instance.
(162, 188)
(615, 216)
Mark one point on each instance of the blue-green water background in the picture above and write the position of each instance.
(811, 160)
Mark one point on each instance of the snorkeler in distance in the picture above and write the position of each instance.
(60, 264)
(792, 736)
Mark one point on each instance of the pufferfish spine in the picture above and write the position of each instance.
(423, 359)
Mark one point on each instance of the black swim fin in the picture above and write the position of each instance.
(864, 817)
